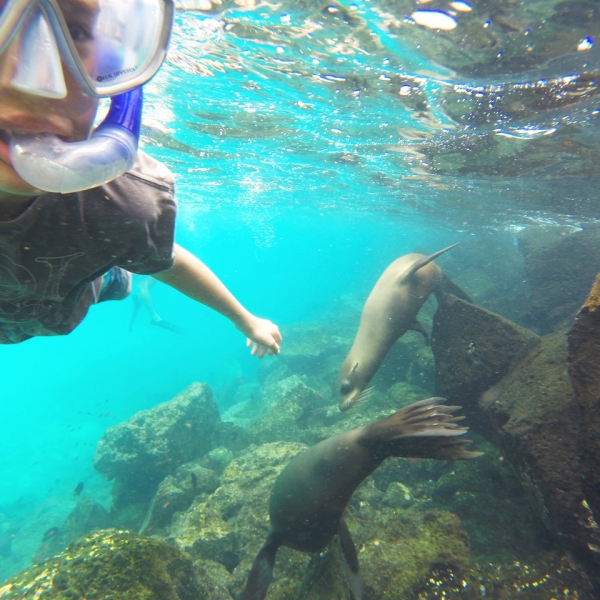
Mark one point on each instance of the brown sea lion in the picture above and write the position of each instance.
(389, 312)
(311, 493)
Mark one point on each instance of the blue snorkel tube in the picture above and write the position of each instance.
(49, 164)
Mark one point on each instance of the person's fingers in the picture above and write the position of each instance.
(248, 342)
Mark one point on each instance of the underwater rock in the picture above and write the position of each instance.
(176, 493)
(218, 458)
(221, 527)
(214, 578)
(560, 265)
(473, 350)
(110, 564)
(400, 550)
(397, 495)
(527, 408)
(538, 425)
(229, 435)
(87, 516)
(142, 451)
(584, 369)
(284, 412)
(517, 390)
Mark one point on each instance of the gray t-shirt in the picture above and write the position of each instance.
(52, 252)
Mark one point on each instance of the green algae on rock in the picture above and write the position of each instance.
(110, 565)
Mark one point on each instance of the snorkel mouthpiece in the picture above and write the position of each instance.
(49, 164)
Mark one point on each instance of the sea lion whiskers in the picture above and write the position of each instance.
(364, 396)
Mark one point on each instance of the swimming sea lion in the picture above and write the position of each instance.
(311, 493)
(389, 312)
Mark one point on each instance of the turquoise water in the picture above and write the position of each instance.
(311, 149)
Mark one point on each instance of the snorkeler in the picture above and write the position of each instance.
(78, 212)
(142, 297)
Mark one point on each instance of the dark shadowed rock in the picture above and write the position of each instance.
(560, 265)
(142, 451)
(473, 350)
(518, 392)
(584, 368)
(538, 425)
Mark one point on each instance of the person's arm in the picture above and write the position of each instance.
(190, 276)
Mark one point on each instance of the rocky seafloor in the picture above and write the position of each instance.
(191, 485)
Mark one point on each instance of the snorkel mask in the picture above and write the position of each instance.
(111, 48)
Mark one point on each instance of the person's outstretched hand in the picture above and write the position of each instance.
(263, 336)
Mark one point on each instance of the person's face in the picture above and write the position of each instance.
(70, 118)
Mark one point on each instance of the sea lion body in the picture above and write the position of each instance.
(389, 312)
(310, 495)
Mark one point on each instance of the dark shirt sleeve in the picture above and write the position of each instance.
(154, 251)
(146, 198)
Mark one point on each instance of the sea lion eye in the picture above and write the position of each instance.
(345, 387)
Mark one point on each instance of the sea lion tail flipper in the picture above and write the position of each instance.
(424, 429)
(261, 574)
(350, 559)
(447, 286)
(419, 264)
(418, 327)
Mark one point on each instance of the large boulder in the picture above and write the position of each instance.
(584, 369)
(473, 349)
(519, 393)
(142, 451)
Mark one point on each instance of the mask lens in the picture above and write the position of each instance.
(110, 46)
(127, 37)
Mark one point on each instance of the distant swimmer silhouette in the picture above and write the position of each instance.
(312, 492)
(141, 296)
(389, 312)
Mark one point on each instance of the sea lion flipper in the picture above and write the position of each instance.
(424, 429)
(261, 574)
(418, 327)
(421, 262)
(447, 286)
(350, 558)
